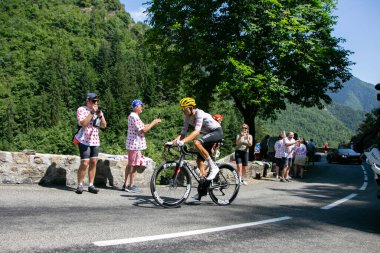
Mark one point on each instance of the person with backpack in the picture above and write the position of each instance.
(264, 148)
(90, 118)
(311, 150)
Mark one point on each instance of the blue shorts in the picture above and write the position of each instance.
(288, 162)
(87, 152)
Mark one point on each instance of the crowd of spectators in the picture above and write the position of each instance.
(288, 155)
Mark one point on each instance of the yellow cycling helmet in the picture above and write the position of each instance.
(185, 102)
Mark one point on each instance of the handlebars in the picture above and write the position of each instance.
(182, 149)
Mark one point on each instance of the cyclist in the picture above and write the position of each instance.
(202, 123)
(218, 117)
(215, 153)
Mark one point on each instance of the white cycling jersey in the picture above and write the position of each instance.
(201, 121)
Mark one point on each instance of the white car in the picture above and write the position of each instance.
(373, 159)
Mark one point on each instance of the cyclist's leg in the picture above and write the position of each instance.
(207, 141)
(202, 188)
(204, 146)
(201, 165)
(205, 155)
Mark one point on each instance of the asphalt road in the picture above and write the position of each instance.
(334, 209)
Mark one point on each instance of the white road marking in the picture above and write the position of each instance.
(364, 186)
(186, 233)
(336, 203)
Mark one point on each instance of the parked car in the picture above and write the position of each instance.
(344, 155)
(373, 159)
(376, 172)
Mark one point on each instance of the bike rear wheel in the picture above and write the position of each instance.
(225, 186)
(170, 185)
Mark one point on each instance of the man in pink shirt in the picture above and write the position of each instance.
(90, 118)
(135, 142)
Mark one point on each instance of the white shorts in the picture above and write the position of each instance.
(300, 161)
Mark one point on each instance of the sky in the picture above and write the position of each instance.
(358, 23)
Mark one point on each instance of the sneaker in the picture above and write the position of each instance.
(124, 187)
(92, 189)
(283, 180)
(243, 182)
(197, 197)
(213, 172)
(133, 189)
(79, 189)
(288, 179)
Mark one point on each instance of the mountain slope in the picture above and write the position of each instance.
(356, 94)
(333, 124)
(337, 122)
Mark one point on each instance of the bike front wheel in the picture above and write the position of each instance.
(170, 185)
(225, 186)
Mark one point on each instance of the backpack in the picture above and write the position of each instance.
(74, 139)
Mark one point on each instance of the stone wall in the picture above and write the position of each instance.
(29, 167)
(46, 169)
(255, 169)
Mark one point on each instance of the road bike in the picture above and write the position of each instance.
(171, 182)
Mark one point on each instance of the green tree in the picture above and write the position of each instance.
(368, 132)
(263, 54)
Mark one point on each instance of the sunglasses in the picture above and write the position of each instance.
(244, 127)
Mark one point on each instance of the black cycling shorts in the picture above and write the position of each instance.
(87, 152)
(241, 157)
(208, 140)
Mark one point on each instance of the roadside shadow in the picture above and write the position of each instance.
(103, 174)
(143, 201)
(55, 177)
(60, 187)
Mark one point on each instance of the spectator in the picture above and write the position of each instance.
(326, 147)
(135, 142)
(215, 151)
(311, 150)
(288, 154)
(243, 142)
(279, 148)
(257, 152)
(300, 152)
(90, 118)
(264, 148)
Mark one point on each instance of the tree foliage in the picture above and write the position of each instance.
(238, 58)
(263, 54)
(52, 53)
(368, 132)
